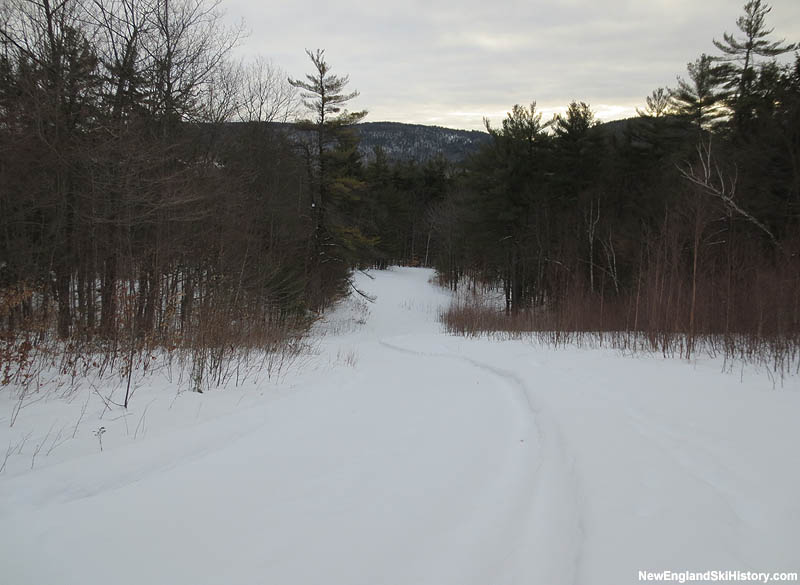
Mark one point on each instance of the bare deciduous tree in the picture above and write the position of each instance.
(265, 95)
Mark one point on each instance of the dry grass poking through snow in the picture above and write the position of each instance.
(478, 311)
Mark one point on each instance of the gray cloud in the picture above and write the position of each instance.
(452, 63)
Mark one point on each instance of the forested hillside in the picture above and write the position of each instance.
(150, 197)
(681, 221)
(245, 331)
(415, 142)
(406, 143)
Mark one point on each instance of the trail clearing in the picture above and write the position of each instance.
(396, 454)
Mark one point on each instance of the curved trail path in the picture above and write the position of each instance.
(400, 455)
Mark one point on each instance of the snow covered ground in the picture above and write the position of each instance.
(395, 454)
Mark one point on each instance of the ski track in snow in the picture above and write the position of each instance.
(402, 456)
(551, 522)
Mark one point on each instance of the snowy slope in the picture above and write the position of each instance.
(399, 455)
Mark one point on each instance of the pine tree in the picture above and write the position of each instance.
(509, 178)
(658, 104)
(323, 96)
(334, 238)
(576, 144)
(740, 54)
(576, 151)
(699, 99)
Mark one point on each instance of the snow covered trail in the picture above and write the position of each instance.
(399, 455)
(396, 468)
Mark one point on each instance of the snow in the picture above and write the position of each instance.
(395, 454)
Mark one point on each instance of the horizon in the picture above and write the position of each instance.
(482, 129)
(452, 65)
(618, 113)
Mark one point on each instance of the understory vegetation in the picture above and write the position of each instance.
(676, 231)
(148, 205)
(476, 312)
(159, 199)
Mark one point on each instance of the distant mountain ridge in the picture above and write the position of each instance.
(403, 142)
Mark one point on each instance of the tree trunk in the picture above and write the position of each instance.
(63, 290)
(108, 297)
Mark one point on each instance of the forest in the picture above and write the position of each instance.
(673, 230)
(157, 194)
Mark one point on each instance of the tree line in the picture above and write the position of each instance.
(683, 220)
(147, 199)
(153, 196)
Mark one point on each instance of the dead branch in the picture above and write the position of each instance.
(709, 177)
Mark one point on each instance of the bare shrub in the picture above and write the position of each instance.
(756, 323)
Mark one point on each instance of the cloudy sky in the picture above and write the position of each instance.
(452, 63)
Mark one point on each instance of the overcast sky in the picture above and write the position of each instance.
(452, 63)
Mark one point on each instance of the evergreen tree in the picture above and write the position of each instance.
(334, 236)
(575, 145)
(513, 204)
(698, 99)
(658, 104)
(740, 57)
(577, 150)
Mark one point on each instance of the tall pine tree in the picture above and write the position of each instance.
(335, 237)
(699, 98)
(740, 55)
